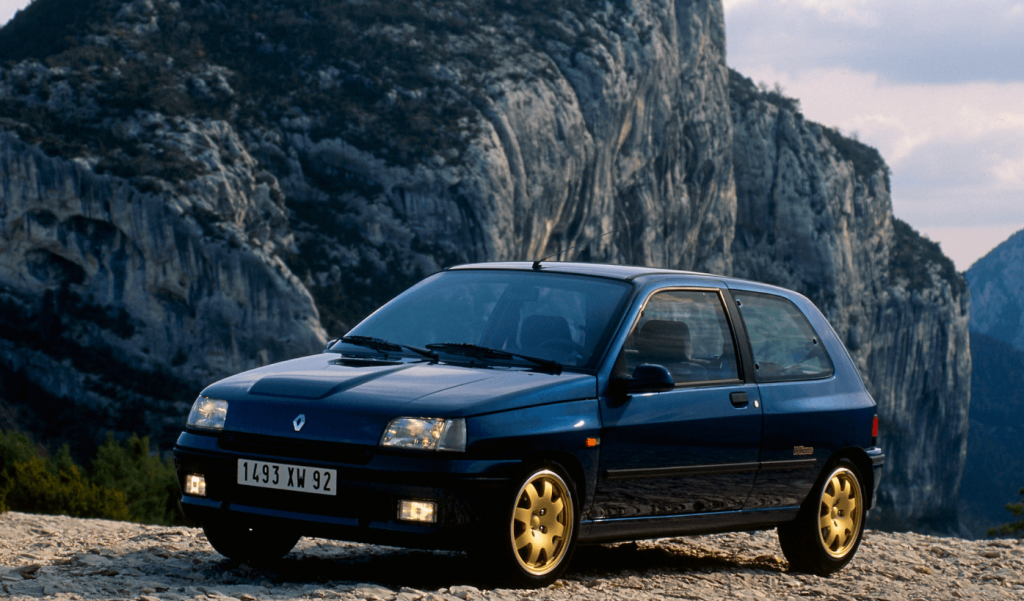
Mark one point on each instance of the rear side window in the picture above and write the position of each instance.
(784, 344)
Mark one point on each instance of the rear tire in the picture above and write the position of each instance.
(535, 540)
(830, 526)
(256, 543)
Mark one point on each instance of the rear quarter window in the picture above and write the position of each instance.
(784, 344)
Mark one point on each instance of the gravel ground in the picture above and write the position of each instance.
(56, 557)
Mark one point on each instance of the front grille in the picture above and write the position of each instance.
(333, 452)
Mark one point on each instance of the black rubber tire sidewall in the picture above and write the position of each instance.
(800, 539)
(255, 543)
(500, 553)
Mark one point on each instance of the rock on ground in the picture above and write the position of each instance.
(57, 557)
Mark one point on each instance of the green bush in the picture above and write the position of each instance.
(15, 448)
(58, 487)
(149, 484)
(1017, 509)
(125, 482)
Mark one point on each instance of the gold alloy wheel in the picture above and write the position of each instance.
(840, 513)
(542, 523)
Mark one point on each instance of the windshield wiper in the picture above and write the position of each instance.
(482, 352)
(383, 346)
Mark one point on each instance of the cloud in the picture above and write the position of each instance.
(926, 41)
(838, 11)
(1010, 171)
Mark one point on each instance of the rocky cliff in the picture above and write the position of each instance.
(191, 188)
(814, 214)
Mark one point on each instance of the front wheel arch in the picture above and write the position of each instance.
(569, 462)
(500, 553)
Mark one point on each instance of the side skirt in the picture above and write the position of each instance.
(626, 529)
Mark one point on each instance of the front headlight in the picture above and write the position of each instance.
(426, 433)
(208, 414)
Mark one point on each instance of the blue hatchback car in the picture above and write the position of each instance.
(522, 409)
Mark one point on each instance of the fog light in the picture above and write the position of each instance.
(195, 485)
(417, 511)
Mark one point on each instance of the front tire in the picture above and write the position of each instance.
(257, 544)
(827, 533)
(538, 538)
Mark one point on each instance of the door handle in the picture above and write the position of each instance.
(739, 399)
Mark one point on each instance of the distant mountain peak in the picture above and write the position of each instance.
(997, 292)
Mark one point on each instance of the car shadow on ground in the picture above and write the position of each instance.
(426, 570)
(614, 561)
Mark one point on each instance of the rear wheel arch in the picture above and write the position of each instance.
(863, 463)
(829, 528)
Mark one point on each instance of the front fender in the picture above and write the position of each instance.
(557, 432)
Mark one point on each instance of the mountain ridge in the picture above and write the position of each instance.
(998, 289)
(994, 473)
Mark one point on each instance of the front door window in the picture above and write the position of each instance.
(687, 332)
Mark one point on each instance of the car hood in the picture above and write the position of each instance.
(352, 401)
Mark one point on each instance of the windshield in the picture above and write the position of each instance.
(564, 318)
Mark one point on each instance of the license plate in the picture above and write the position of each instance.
(283, 476)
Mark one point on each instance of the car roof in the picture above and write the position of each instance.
(629, 273)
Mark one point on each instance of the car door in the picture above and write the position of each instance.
(809, 413)
(691, 449)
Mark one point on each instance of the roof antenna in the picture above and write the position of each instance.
(537, 264)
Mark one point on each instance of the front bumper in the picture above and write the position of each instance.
(470, 494)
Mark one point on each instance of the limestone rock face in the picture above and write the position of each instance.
(214, 215)
(614, 130)
(192, 189)
(125, 300)
(814, 215)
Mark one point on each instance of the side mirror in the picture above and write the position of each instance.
(649, 378)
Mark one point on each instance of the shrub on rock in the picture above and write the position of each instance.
(58, 486)
(149, 484)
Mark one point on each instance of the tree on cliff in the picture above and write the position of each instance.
(1017, 509)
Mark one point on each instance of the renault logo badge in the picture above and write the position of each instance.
(299, 421)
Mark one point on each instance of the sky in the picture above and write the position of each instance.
(936, 85)
(9, 7)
